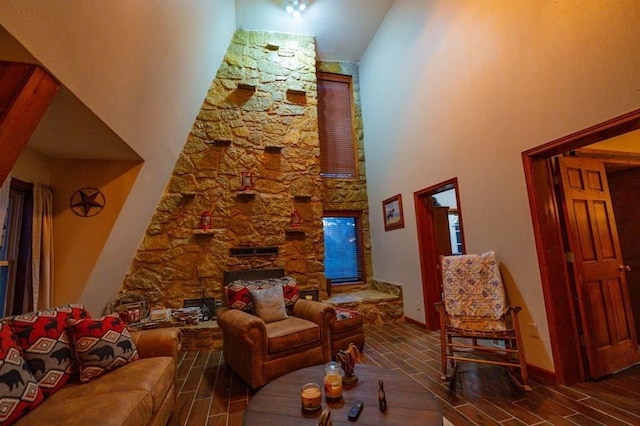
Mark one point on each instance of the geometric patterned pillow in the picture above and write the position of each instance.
(46, 345)
(101, 345)
(239, 297)
(290, 290)
(19, 391)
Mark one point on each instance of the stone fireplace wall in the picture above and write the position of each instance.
(259, 116)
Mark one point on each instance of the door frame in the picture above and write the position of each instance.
(557, 287)
(430, 274)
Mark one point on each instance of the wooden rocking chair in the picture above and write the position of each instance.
(473, 309)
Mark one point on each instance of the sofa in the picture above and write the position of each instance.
(260, 346)
(74, 370)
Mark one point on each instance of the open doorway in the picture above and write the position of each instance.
(440, 233)
(563, 276)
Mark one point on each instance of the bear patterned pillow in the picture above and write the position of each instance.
(46, 345)
(19, 390)
(101, 346)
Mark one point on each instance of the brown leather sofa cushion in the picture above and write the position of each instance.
(290, 333)
(129, 395)
(119, 408)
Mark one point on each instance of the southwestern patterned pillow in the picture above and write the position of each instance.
(239, 297)
(46, 345)
(19, 391)
(101, 345)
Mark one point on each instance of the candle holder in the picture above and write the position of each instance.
(332, 381)
(311, 396)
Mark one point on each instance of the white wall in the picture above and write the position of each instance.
(33, 167)
(461, 88)
(144, 68)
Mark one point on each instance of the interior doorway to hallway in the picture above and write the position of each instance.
(440, 233)
(567, 288)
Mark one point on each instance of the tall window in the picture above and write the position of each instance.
(343, 250)
(15, 251)
(335, 122)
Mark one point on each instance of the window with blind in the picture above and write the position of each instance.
(343, 249)
(335, 112)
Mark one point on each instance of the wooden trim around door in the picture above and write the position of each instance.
(429, 259)
(557, 286)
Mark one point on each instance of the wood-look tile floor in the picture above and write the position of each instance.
(209, 394)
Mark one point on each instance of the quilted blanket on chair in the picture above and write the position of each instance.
(473, 292)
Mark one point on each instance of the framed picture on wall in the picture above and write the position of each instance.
(392, 211)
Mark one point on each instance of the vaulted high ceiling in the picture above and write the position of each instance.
(343, 30)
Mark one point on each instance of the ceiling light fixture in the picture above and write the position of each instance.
(296, 7)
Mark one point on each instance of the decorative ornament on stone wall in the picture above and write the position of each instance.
(205, 220)
(246, 183)
(296, 221)
(87, 202)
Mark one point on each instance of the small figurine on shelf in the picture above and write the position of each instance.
(205, 220)
(296, 221)
(246, 182)
(382, 397)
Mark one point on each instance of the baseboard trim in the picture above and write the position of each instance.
(541, 374)
(415, 322)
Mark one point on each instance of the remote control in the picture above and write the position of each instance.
(355, 411)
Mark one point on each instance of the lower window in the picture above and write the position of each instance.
(343, 251)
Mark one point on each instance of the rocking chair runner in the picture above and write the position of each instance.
(474, 308)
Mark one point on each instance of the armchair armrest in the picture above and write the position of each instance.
(158, 342)
(322, 314)
(242, 326)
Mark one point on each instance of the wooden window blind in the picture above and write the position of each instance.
(335, 112)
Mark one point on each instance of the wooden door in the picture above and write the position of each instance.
(441, 229)
(624, 187)
(610, 339)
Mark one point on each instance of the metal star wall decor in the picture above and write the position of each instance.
(87, 202)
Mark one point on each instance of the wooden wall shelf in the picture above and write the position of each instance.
(203, 231)
(272, 149)
(247, 87)
(296, 92)
(295, 231)
(220, 142)
(245, 195)
(302, 198)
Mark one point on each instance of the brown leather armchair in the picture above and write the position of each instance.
(260, 352)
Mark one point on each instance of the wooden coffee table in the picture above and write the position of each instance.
(408, 403)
